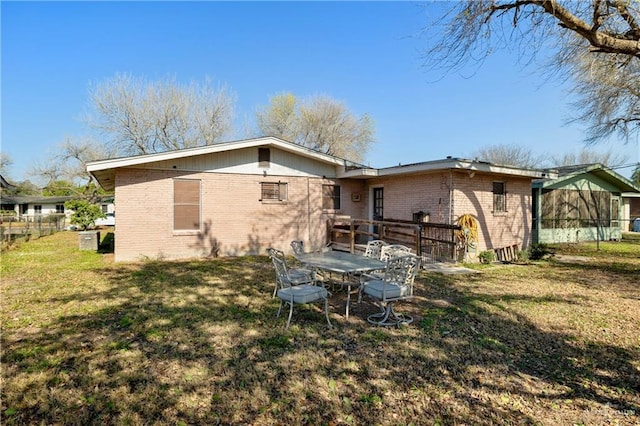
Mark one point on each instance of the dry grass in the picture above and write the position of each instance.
(86, 341)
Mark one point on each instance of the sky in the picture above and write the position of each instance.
(368, 55)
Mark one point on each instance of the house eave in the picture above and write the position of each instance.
(598, 170)
(442, 165)
(104, 170)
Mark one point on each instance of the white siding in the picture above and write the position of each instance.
(245, 161)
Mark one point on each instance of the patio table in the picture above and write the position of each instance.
(342, 263)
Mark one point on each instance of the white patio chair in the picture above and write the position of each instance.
(388, 251)
(396, 285)
(393, 250)
(301, 293)
(296, 276)
(374, 248)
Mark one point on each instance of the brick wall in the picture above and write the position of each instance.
(234, 220)
(473, 195)
(405, 195)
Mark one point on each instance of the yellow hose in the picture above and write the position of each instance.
(468, 222)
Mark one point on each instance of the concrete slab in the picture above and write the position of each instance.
(448, 269)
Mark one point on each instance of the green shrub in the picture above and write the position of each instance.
(84, 214)
(523, 255)
(538, 251)
(487, 256)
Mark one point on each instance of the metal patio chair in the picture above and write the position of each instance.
(300, 293)
(374, 248)
(396, 285)
(297, 246)
(296, 276)
(388, 251)
(393, 250)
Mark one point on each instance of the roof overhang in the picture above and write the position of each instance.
(598, 170)
(441, 165)
(104, 170)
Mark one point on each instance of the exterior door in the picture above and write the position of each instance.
(378, 203)
(378, 209)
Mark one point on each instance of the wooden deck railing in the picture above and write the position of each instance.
(432, 241)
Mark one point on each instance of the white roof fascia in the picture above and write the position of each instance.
(440, 165)
(211, 149)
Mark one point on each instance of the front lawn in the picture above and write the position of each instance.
(87, 341)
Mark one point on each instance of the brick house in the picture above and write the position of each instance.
(241, 197)
(441, 191)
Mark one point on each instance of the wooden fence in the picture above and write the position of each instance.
(434, 242)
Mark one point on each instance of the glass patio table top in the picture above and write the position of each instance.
(343, 263)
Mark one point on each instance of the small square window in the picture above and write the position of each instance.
(331, 197)
(499, 197)
(264, 157)
(273, 191)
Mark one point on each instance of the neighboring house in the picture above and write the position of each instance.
(34, 206)
(241, 197)
(30, 207)
(630, 211)
(582, 203)
(4, 184)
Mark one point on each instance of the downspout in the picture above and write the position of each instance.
(308, 211)
(538, 216)
(450, 196)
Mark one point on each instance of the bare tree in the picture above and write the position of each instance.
(279, 118)
(141, 117)
(320, 123)
(326, 125)
(5, 163)
(635, 176)
(589, 156)
(509, 155)
(608, 92)
(69, 165)
(597, 43)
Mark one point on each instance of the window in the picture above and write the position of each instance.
(60, 208)
(264, 157)
(499, 197)
(37, 209)
(615, 212)
(273, 191)
(186, 205)
(105, 208)
(331, 197)
(568, 208)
